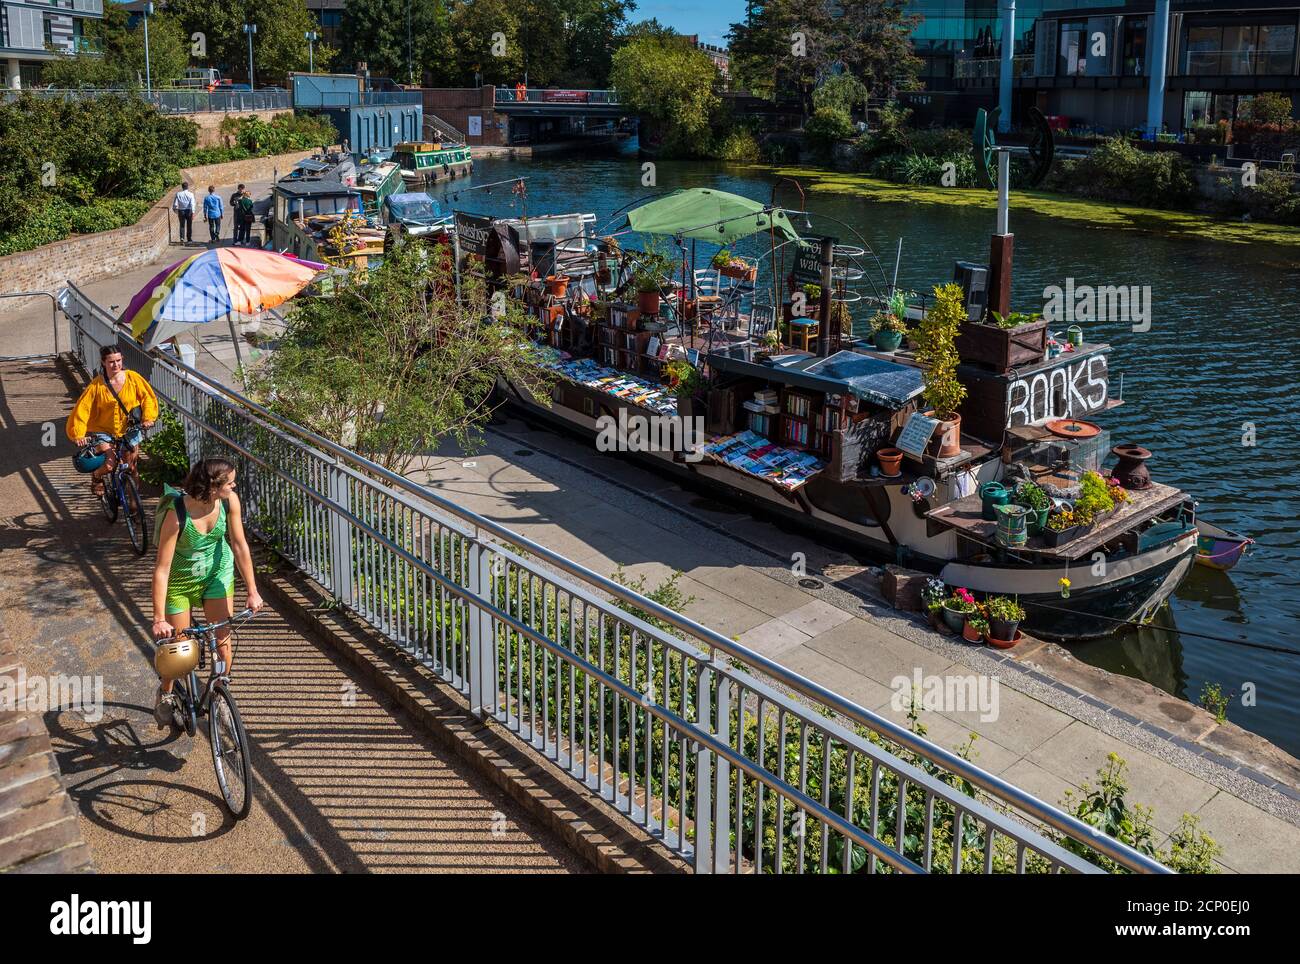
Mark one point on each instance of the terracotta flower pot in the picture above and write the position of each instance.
(970, 633)
(950, 438)
(557, 285)
(1003, 643)
(648, 302)
(891, 461)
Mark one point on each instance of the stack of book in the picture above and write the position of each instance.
(750, 452)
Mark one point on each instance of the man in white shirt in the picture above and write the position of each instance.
(183, 205)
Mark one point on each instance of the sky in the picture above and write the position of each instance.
(711, 20)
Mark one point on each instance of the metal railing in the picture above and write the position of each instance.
(311, 98)
(726, 758)
(180, 101)
(509, 95)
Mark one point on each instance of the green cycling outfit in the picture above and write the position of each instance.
(203, 567)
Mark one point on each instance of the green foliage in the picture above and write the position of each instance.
(1273, 198)
(278, 47)
(285, 133)
(97, 184)
(1117, 171)
(1015, 319)
(168, 460)
(1094, 499)
(667, 594)
(1104, 807)
(1032, 495)
(673, 86)
(121, 63)
(1268, 108)
(1216, 701)
(391, 364)
(1005, 608)
(652, 267)
(936, 352)
(737, 143)
(374, 31)
(842, 92)
(827, 126)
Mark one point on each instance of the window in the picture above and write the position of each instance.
(1135, 47)
(48, 24)
(1073, 59)
(1238, 50)
(1276, 48)
(1203, 50)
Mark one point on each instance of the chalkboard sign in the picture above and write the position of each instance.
(916, 434)
(807, 264)
(473, 231)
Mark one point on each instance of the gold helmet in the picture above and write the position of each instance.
(175, 658)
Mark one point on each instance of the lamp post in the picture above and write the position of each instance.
(311, 37)
(148, 80)
(250, 29)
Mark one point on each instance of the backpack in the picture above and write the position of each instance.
(170, 499)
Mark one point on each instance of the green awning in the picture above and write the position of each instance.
(708, 215)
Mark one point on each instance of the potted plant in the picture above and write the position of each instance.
(1005, 616)
(956, 607)
(557, 285)
(887, 330)
(974, 629)
(771, 344)
(1061, 528)
(684, 379)
(938, 359)
(1032, 496)
(1003, 342)
(733, 266)
(932, 598)
(652, 268)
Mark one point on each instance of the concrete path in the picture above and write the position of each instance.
(345, 781)
(604, 513)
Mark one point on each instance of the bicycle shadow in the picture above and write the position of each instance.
(107, 750)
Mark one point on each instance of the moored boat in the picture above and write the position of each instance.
(426, 162)
(1219, 548)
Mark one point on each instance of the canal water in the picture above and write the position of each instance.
(1221, 358)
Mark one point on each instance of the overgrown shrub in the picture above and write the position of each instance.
(826, 126)
(737, 144)
(1117, 171)
(1273, 198)
(168, 460)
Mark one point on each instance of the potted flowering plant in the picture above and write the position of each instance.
(1061, 527)
(887, 330)
(1005, 616)
(956, 607)
(733, 266)
(1034, 498)
(975, 628)
(771, 344)
(933, 595)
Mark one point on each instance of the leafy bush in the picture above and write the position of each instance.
(826, 126)
(842, 92)
(1118, 171)
(1268, 108)
(737, 144)
(168, 460)
(285, 133)
(1273, 198)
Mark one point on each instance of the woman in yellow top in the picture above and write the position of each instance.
(98, 418)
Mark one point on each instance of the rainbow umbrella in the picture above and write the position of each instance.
(214, 285)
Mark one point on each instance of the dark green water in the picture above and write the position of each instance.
(1222, 351)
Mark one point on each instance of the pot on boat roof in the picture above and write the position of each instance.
(1131, 471)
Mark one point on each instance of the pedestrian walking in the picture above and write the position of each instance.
(212, 211)
(234, 215)
(183, 205)
(244, 212)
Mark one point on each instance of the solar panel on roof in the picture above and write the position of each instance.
(875, 379)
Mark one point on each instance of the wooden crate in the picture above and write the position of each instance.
(1002, 349)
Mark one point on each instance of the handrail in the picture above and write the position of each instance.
(708, 640)
(54, 309)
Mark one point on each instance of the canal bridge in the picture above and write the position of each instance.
(521, 101)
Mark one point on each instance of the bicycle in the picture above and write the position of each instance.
(229, 742)
(122, 489)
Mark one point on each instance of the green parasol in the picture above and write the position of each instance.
(708, 215)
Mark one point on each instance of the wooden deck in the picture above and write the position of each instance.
(965, 517)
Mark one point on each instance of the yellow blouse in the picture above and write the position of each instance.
(97, 411)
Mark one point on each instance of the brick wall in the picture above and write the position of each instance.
(91, 257)
(209, 123)
(455, 104)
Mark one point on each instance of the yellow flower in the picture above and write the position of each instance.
(1065, 583)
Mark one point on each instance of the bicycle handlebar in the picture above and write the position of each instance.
(202, 629)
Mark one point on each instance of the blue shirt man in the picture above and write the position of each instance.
(212, 211)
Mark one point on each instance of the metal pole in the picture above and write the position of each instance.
(824, 321)
(239, 355)
(54, 308)
(148, 80)
(1004, 191)
(1156, 89)
(1005, 80)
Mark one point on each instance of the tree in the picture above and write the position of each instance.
(1268, 108)
(278, 47)
(842, 92)
(392, 363)
(672, 84)
(375, 31)
(121, 60)
(487, 37)
(873, 40)
(646, 28)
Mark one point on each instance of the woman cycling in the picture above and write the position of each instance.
(195, 565)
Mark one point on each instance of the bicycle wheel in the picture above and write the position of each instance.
(135, 522)
(183, 715)
(230, 752)
(108, 501)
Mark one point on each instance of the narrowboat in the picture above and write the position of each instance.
(377, 180)
(316, 213)
(425, 162)
(812, 435)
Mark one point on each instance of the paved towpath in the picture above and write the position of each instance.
(345, 781)
(1049, 737)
